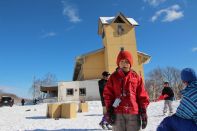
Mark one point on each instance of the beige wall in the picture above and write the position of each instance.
(91, 86)
(93, 65)
(63, 86)
(113, 42)
(141, 65)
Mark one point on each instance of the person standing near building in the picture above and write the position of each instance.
(168, 96)
(101, 83)
(23, 102)
(125, 97)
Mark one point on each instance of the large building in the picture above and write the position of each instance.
(116, 32)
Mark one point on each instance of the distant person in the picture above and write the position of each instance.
(35, 101)
(125, 97)
(101, 83)
(22, 102)
(168, 96)
(185, 118)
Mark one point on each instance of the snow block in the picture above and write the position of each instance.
(83, 107)
(68, 110)
(54, 110)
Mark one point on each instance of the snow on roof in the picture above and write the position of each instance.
(143, 53)
(132, 21)
(148, 57)
(108, 20)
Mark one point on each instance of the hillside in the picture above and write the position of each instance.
(15, 97)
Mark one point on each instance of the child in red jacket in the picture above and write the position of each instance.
(125, 97)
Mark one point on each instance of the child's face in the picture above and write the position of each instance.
(124, 65)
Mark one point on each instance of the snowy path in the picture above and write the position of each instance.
(16, 118)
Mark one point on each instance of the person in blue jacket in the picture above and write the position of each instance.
(175, 123)
(185, 118)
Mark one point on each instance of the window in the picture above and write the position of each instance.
(103, 34)
(82, 91)
(69, 92)
(120, 30)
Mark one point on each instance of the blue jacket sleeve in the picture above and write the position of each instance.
(164, 125)
(175, 123)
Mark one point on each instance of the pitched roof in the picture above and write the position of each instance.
(146, 57)
(108, 20)
(90, 53)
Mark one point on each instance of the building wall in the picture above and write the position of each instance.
(95, 63)
(93, 66)
(141, 71)
(141, 66)
(113, 42)
(62, 90)
(92, 89)
(91, 86)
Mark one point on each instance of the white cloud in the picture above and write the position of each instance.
(71, 12)
(170, 14)
(5, 89)
(49, 34)
(194, 49)
(154, 2)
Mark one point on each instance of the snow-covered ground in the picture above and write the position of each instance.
(17, 118)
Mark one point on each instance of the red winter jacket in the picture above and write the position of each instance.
(130, 89)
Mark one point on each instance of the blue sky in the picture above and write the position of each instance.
(41, 36)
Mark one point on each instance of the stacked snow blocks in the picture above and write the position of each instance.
(65, 110)
(54, 110)
(83, 107)
(69, 110)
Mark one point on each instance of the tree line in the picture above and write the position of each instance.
(48, 80)
(156, 77)
(153, 82)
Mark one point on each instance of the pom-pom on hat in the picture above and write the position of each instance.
(124, 55)
(188, 75)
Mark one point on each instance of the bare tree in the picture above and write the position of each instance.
(154, 82)
(47, 80)
(173, 76)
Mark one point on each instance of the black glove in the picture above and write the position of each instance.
(144, 118)
(110, 116)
